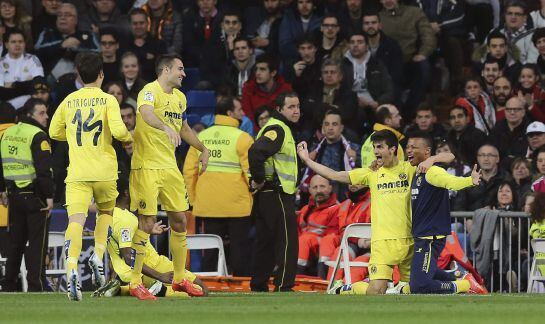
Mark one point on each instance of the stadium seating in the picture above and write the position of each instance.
(56, 242)
(536, 276)
(201, 106)
(192, 77)
(209, 241)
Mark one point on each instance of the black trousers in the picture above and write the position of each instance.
(277, 242)
(26, 224)
(235, 233)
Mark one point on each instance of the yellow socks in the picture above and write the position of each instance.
(72, 246)
(178, 249)
(462, 286)
(358, 288)
(171, 293)
(139, 241)
(124, 291)
(103, 223)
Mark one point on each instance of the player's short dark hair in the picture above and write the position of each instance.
(428, 139)
(383, 113)
(333, 111)
(165, 60)
(13, 31)
(30, 106)
(243, 39)
(89, 66)
(271, 61)
(137, 11)
(108, 31)
(125, 105)
(495, 34)
(359, 33)
(224, 105)
(386, 136)
(8, 114)
(458, 107)
(280, 101)
(538, 34)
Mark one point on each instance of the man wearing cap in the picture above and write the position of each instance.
(536, 137)
(40, 90)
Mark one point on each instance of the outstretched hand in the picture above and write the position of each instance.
(476, 175)
(302, 151)
(159, 228)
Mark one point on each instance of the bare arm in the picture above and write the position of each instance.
(339, 176)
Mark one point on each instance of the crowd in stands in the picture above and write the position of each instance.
(470, 73)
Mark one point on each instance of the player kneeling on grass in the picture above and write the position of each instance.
(157, 271)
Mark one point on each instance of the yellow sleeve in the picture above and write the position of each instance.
(360, 176)
(191, 173)
(440, 178)
(127, 225)
(57, 127)
(117, 127)
(243, 146)
(145, 97)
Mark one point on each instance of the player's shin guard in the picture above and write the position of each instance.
(178, 249)
(139, 242)
(72, 246)
(103, 223)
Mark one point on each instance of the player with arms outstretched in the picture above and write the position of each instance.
(87, 119)
(160, 127)
(391, 238)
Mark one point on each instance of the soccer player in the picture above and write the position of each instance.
(160, 127)
(391, 241)
(87, 119)
(157, 269)
(431, 223)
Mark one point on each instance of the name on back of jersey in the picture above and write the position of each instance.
(85, 102)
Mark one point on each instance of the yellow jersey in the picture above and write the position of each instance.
(87, 119)
(390, 199)
(124, 226)
(152, 148)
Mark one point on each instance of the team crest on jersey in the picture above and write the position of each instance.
(373, 269)
(418, 181)
(142, 204)
(125, 235)
(403, 176)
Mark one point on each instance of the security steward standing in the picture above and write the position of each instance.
(26, 174)
(274, 170)
(220, 196)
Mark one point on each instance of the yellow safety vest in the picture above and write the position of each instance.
(17, 162)
(221, 142)
(284, 162)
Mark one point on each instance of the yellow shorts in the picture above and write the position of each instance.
(80, 194)
(385, 254)
(167, 185)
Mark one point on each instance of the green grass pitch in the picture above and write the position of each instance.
(305, 308)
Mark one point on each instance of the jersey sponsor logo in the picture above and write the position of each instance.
(126, 235)
(148, 96)
(175, 115)
(393, 185)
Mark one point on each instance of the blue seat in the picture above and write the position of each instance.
(201, 103)
(192, 77)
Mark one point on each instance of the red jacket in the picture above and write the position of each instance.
(319, 220)
(350, 213)
(253, 96)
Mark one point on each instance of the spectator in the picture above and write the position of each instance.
(384, 48)
(115, 88)
(538, 163)
(501, 93)
(332, 45)
(536, 137)
(368, 76)
(305, 74)
(334, 151)
(538, 16)
(294, 24)
(497, 47)
(530, 90)
(47, 19)
(145, 46)
(333, 91)
(517, 31)
(350, 15)
(522, 180)
(165, 24)
(57, 48)
(240, 69)
(263, 87)
(490, 73)
(128, 114)
(102, 14)
(13, 16)
(482, 195)
(465, 138)
(18, 66)
(109, 47)
(262, 25)
(41, 90)
(538, 38)
(201, 31)
(509, 135)
(224, 213)
(262, 116)
(387, 117)
(426, 121)
(130, 75)
(316, 220)
(411, 29)
(455, 168)
(478, 104)
(124, 150)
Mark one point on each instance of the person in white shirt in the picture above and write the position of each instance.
(538, 16)
(18, 66)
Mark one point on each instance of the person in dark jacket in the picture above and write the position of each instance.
(305, 73)
(367, 76)
(165, 24)
(103, 14)
(465, 138)
(261, 25)
(46, 19)
(240, 69)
